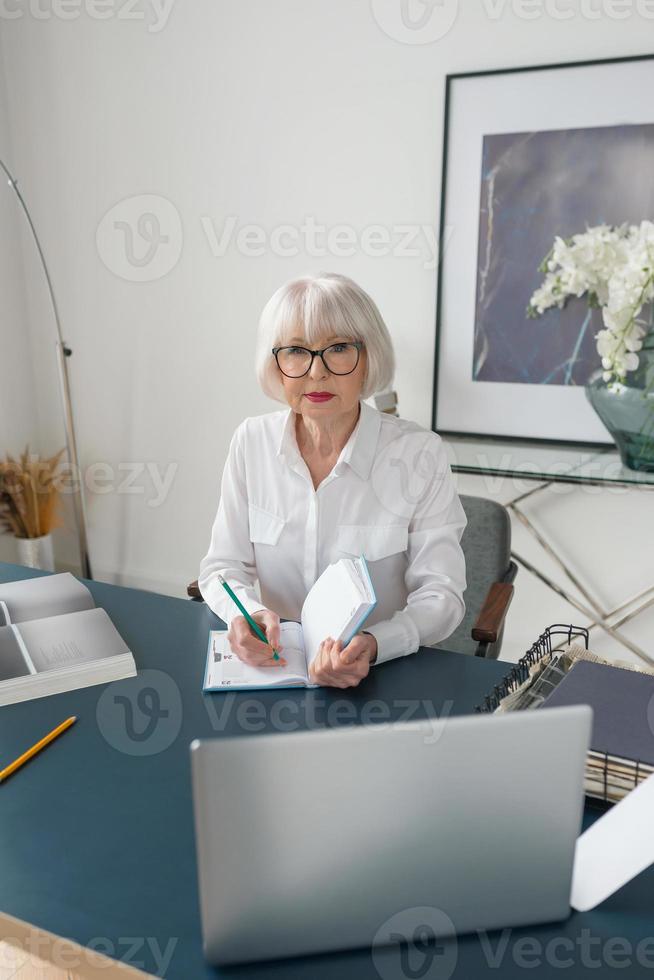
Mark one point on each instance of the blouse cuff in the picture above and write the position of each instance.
(394, 638)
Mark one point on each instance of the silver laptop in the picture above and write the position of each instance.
(327, 839)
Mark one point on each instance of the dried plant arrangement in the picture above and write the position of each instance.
(30, 494)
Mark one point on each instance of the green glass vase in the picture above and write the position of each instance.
(627, 410)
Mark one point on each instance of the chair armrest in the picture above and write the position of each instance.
(193, 592)
(493, 612)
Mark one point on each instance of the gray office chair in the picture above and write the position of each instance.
(486, 544)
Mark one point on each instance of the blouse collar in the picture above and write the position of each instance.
(358, 452)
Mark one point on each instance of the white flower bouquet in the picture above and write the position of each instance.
(615, 267)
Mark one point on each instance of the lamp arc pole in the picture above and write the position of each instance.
(63, 353)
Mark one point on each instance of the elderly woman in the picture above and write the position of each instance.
(327, 477)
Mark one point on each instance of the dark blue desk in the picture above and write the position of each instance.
(96, 832)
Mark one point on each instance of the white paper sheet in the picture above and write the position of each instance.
(615, 849)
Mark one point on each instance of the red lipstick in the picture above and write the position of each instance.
(319, 396)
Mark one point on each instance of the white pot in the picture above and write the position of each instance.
(36, 552)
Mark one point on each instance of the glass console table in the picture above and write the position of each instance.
(544, 465)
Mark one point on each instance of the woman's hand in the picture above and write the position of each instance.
(335, 666)
(248, 647)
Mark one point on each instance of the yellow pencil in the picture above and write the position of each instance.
(37, 748)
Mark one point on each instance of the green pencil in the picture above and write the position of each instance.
(255, 626)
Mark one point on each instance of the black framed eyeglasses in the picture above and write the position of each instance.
(341, 359)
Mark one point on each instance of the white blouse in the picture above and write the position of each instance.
(390, 496)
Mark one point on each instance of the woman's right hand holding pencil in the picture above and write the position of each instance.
(248, 647)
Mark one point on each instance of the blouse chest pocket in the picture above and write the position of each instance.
(265, 527)
(373, 541)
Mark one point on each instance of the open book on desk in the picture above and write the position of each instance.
(337, 605)
(53, 638)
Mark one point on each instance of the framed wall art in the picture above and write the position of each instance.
(530, 154)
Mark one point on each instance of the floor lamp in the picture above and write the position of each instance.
(63, 352)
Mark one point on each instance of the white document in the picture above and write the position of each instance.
(336, 605)
(53, 638)
(615, 849)
(225, 670)
(38, 598)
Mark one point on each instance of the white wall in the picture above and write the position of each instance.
(269, 113)
(18, 416)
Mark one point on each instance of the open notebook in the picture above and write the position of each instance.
(337, 605)
(54, 639)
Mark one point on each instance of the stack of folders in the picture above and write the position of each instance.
(53, 638)
(622, 698)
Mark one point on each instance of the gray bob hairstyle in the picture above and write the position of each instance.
(316, 306)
